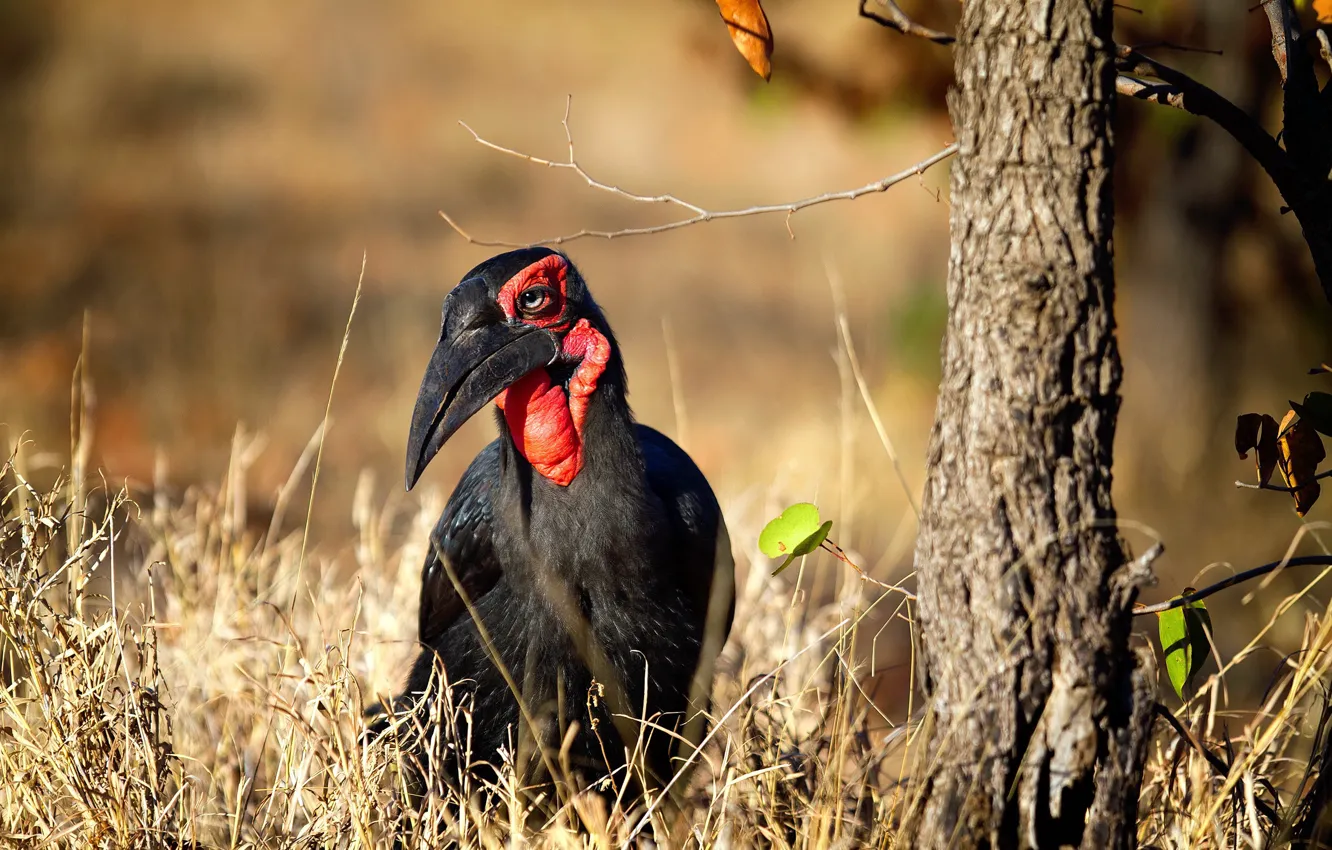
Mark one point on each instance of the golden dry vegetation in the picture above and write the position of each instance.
(177, 679)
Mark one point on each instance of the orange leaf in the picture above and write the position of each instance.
(749, 30)
(1301, 450)
(1323, 9)
(1286, 422)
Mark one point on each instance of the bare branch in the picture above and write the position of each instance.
(1237, 578)
(895, 19)
(1151, 92)
(572, 165)
(1143, 563)
(699, 214)
(1278, 18)
(1184, 92)
(1299, 168)
(1280, 489)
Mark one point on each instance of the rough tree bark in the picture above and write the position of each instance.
(1039, 711)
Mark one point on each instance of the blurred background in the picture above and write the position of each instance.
(201, 182)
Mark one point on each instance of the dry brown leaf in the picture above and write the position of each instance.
(1306, 496)
(1301, 450)
(749, 30)
(1258, 431)
(1246, 433)
(1268, 454)
(1323, 9)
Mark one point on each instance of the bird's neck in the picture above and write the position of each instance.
(579, 532)
(572, 448)
(571, 469)
(546, 422)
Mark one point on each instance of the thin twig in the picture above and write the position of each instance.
(1279, 489)
(895, 19)
(572, 165)
(837, 552)
(1237, 578)
(699, 214)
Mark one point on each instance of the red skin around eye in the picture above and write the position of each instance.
(547, 427)
(551, 271)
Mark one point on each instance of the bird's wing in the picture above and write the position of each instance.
(702, 544)
(463, 536)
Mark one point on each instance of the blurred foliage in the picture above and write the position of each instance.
(772, 99)
(915, 327)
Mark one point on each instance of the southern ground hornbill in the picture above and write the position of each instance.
(580, 578)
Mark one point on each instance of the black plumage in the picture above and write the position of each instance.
(618, 576)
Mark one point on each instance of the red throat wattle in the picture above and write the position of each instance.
(547, 427)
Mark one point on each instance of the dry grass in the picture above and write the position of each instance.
(176, 676)
(164, 688)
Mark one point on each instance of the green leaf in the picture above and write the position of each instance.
(1317, 411)
(796, 532)
(1184, 641)
(809, 544)
(783, 534)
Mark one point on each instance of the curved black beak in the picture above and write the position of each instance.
(470, 366)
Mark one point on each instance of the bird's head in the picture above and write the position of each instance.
(520, 329)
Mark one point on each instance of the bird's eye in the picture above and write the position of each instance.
(534, 299)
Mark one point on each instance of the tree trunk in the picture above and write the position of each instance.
(1039, 711)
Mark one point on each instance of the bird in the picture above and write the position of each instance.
(580, 578)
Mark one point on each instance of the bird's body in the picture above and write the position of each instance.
(590, 548)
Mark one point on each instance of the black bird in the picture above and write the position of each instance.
(582, 560)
